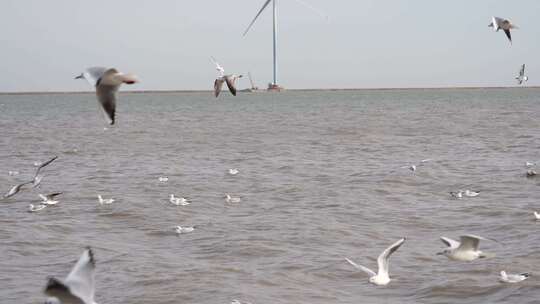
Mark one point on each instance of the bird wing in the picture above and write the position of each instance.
(257, 16)
(522, 70)
(55, 288)
(43, 165)
(507, 32)
(449, 242)
(81, 278)
(93, 74)
(470, 242)
(230, 84)
(218, 84)
(52, 195)
(382, 260)
(106, 95)
(360, 267)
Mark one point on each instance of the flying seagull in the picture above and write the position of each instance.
(513, 278)
(15, 189)
(465, 250)
(504, 24)
(78, 287)
(222, 78)
(38, 177)
(381, 277)
(520, 79)
(49, 198)
(107, 81)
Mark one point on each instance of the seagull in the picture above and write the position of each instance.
(105, 201)
(504, 24)
(163, 179)
(531, 173)
(39, 207)
(38, 177)
(380, 278)
(458, 194)
(513, 278)
(229, 79)
(15, 189)
(415, 166)
(520, 79)
(180, 229)
(78, 287)
(49, 198)
(471, 193)
(529, 164)
(465, 250)
(233, 171)
(178, 201)
(537, 216)
(230, 199)
(107, 81)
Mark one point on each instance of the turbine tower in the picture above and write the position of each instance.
(274, 85)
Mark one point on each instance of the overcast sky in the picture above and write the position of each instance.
(363, 44)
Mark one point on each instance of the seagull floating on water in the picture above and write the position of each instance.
(34, 208)
(415, 166)
(178, 201)
(513, 278)
(381, 277)
(471, 193)
(49, 198)
(79, 286)
(530, 164)
(222, 78)
(105, 201)
(163, 179)
(504, 24)
(107, 81)
(230, 199)
(465, 250)
(233, 171)
(180, 229)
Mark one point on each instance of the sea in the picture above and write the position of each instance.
(323, 177)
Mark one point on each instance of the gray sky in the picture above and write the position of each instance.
(364, 43)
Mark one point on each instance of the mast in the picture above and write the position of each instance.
(275, 41)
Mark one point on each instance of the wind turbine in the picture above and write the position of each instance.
(274, 85)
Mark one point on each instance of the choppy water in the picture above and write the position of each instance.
(320, 180)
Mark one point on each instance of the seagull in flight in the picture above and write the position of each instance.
(15, 189)
(230, 80)
(521, 78)
(79, 286)
(107, 81)
(465, 250)
(513, 278)
(39, 177)
(504, 24)
(49, 198)
(382, 277)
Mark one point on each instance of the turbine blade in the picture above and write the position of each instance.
(257, 16)
(318, 12)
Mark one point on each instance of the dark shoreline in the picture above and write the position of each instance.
(264, 91)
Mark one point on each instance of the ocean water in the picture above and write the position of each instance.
(320, 180)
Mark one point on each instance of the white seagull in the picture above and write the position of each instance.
(180, 229)
(33, 208)
(233, 171)
(79, 286)
(222, 78)
(537, 216)
(178, 201)
(49, 198)
(107, 81)
(105, 201)
(471, 193)
(230, 199)
(504, 24)
(513, 278)
(381, 277)
(163, 179)
(415, 166)
(521, 78)
(465, 250)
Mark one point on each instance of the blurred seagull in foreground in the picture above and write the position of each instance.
(78, 287)
(381, 277)
(107, 81)
(520, 79)
(504, 24)
(229, 79)
(513, 278)
(465, 250)
(49, 198)
(105, 201)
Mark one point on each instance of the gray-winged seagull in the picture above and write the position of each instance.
(222, 78)
(504, 24)
(465, 250)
